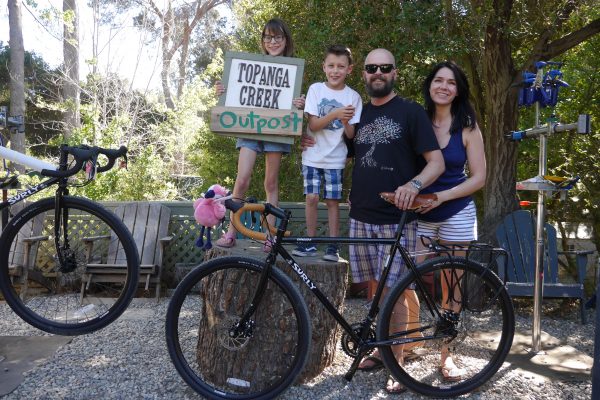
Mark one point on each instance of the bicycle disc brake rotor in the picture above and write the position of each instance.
(232, 337)
(67, 262)
(350, 346)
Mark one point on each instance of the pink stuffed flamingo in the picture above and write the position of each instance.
(208, 212)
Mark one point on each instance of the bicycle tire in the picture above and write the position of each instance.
(206, 305)
(47, 294)
(484, 330)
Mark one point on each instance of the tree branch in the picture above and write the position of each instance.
(571, 40)
(546, 51)
(155, 9)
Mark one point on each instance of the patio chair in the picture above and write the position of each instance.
(149, 225)
(516, 234)
(23, 254)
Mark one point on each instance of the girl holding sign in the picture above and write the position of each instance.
(276, 40)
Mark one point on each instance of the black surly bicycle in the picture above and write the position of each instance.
(233, 309)
(45, 247)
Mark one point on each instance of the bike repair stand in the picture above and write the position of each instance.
(17, 124)
(543, 91)
(12, 123)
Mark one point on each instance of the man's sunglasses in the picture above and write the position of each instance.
(384, 68)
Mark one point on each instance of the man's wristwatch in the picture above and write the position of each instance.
(416, 184)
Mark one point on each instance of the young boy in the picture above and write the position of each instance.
(332, 108)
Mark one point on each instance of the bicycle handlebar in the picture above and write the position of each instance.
(265, 208)
(82, 154)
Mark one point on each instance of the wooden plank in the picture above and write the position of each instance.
(256, 121)
(525, 243)
(140, 226)
(162, 224)
(151, 234)
(129, 218)
(118, 269)
(551, 261)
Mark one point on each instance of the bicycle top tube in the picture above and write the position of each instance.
(238, 208)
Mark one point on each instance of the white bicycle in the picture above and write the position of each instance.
(45, 247)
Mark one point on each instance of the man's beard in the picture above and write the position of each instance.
(380, 91)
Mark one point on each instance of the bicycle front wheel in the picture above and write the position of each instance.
(467, 327)
(42, 269)
(218, 357)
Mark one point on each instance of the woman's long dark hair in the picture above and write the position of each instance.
(463, 115)
(276, 25)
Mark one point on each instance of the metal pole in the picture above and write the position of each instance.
(596, 365)
(538, 286)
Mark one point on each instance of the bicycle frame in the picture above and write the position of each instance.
(35, 164)
(364, 345)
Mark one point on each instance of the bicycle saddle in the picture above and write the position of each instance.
(421, 201)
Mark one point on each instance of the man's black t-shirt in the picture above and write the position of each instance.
(389, 141)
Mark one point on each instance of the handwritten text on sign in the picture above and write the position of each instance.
(260, 84)
(262, 122)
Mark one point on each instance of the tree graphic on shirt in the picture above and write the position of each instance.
(325, 107)
(381, 131)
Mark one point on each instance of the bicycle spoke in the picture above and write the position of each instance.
(470, 338)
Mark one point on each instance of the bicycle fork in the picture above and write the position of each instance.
(66, 261)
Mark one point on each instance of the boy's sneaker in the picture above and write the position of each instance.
(331, 254)
(305, 250)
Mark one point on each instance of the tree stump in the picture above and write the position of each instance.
(330, 277)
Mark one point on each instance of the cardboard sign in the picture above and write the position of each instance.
(258, 101)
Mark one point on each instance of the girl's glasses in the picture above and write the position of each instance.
(384, 68)
(277, 38)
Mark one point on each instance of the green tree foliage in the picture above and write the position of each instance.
(41, 89)
(112, 116)
(494, 41)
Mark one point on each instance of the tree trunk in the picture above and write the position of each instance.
(71, 66)
(332, 280)
(502, 117)
(17, 82)
(167, 55)
(183, 60)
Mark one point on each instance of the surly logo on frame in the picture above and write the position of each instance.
(27, 193)
(302, 275)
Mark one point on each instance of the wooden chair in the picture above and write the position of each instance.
(516, 234)
(149, 225)
(23, 254)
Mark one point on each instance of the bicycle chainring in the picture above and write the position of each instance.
(349, 345)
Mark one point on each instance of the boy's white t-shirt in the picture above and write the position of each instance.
(329, 151)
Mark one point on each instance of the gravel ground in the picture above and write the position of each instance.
(129, 360)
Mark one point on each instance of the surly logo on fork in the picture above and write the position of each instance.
(302, 274)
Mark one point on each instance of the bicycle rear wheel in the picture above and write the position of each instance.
(219, 362)
(47, 292)
(475, 326)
